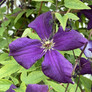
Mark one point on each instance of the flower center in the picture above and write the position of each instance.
(47, 45)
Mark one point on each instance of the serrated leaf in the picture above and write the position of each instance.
(62, 20)
(4, 84)
(72, 16)
(44, 0)
(57, 87)
(8, 69)
(75, 4)
(33, 77)
(19, 16)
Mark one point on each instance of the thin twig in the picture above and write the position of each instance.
(67, 87)
(77, 83)
(40, 8)
(79, 61)
(74, 54)
(56, 6)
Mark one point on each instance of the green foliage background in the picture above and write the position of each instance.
(17, 21)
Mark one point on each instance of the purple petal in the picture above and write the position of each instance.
(86, 66)
(57, 67)
(26, 51)
(86, 12)
(68, 40)
(87, 52)
(11, 88)
(42, 25)
(90, 49)
(89, 25)
(37, 88)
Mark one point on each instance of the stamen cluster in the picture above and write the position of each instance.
(47, 44)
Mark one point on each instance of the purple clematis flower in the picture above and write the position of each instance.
(85, 66)
(31, 88)
(37, 88)
(27, 51)
(88, 49)
(2, 1)
(88, 14)
(11, 88)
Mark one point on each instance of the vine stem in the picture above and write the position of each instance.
(78, 60)
(56, 6)
(80, 57)
(40, 8)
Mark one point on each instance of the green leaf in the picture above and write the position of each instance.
(3, 43)
(2, 10)
(26, 32)
(87, 83)
(4, 56)
(29, 12)
(5, 23)
(62, 20)
(32, 68)
(33, 35)
(57, 87)
(43, 0)
(72, 88)
(76, 51)
(22, 88)
(8, 69)
(72, 16)
(2, 29)
(4, 84)
(75, 4)
(33, 77)
(19, 16)
(15, 80)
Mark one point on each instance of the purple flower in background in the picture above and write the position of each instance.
(37, 88)
(31, 88)
(27, 51)
(88, 49)
(11, 88)
(2, 1)
(88, 14)
(85, 66)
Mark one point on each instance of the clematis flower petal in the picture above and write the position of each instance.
(85, 66)
(87, 13)
(42, 25)
(87, 52)
(26, 51)
(90, 49)
(11, 88)
(57, 67)
(68, 40)
(37, 88)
